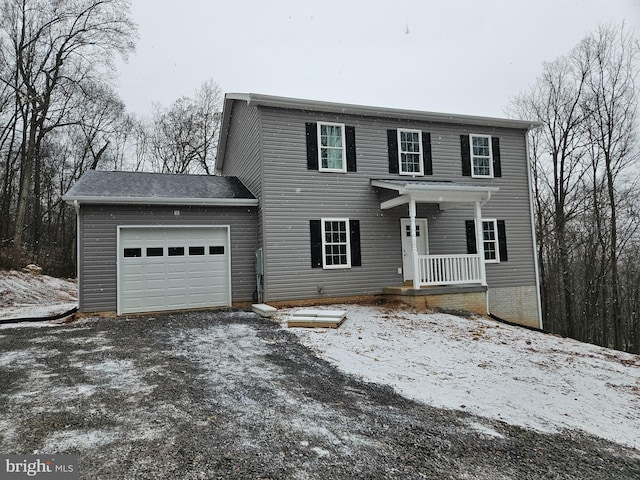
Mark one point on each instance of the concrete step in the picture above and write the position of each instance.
(315, 318)
(264, 310)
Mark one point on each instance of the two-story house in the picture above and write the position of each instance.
(347, 201)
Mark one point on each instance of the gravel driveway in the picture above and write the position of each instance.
(230, 395)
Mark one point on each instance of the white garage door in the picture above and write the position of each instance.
(167, 268)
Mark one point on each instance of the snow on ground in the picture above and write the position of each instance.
(521, 377)
(480, 366)
(25, 295)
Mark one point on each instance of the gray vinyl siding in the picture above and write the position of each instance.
(243, 156)
(293, 195)
(243, 149)
(511, 204)
(98, 232)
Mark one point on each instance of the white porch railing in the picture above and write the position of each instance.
(449, 269)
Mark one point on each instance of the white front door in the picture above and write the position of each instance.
(407, 249)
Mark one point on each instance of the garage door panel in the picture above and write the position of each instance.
(200, 268)
(157, 281)
(155, 267)
(200, 299)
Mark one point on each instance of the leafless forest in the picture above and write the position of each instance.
(60, 116)
(585, 170)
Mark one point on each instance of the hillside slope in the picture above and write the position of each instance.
(24, 294)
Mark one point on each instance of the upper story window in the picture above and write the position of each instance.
(331, 146)
(480, 156)
(410, 152)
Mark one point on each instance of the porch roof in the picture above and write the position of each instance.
(445, 194)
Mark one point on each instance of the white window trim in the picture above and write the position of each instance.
(496, 241)
(471, 155)
(400, 152)
(324, 255)
(344, 148)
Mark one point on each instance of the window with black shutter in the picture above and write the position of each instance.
(494, 237)
(409, 152)
(335, 243)
(480, 156)
(331, 147)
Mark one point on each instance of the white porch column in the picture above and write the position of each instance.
(480, 242)
(414, 244)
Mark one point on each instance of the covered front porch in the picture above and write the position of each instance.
(446, 270)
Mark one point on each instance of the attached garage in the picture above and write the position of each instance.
(158, 242)
(172, 268)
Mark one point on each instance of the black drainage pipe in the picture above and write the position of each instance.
(40, 319)
(507, 322)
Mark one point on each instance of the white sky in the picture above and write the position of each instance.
(461, 56)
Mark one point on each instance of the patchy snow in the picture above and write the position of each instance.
(507, 373)
(480, 366)
(25, 295)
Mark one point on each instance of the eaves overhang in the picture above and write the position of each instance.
(445, 194)
(213, 202)
(380, 112)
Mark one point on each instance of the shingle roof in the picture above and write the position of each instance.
(157, 188)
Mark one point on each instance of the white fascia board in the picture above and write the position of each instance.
(380, 112)
(454, 193)
(444, 189)
(219, 202)
(447, 196)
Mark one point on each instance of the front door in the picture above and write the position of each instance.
(407, 249)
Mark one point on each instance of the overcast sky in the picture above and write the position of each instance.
(449, 56)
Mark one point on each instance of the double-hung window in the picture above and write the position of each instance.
(331, 143)
(494, 240)
(336, 243)
(410, 152)
(490, 241)
(481, 156)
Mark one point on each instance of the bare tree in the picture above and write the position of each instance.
(184, 137)
(558, 170)
(610, 58)
(54, 50)
(583, 163)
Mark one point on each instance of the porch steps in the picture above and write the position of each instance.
(312, 318)
(264, 310)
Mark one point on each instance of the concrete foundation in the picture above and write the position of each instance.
(515, 304)
(454, 298)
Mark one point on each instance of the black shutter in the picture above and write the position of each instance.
(350, 133)
(426, 153)
(495, 149)
(312, 146)
(392, 143)
(470, 229)
(316, 243)
(502, 241)
(354, 230)
(466, 155)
